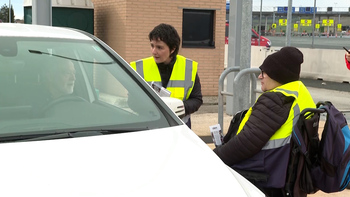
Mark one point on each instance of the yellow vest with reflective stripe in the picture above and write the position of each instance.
(182, 78)
(302, 100)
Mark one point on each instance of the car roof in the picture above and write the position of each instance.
(39, 31)
(68, 4)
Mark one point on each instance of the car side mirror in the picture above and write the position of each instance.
(176, 105)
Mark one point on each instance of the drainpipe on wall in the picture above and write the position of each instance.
(42, 12)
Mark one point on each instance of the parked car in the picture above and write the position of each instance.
(263, 40)
(109, 134)
(254, 39)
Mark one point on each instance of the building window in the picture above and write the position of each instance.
(198, 28)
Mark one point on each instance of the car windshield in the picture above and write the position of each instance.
(50, 85)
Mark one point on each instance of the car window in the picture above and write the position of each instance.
(61, 84)
(254, 35)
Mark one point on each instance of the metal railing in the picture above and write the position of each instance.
(253, 77)
(253, 72)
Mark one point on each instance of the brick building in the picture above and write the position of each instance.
(124, 25)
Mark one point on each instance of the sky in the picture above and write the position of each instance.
(18, 4)
(17, 7)
(303, 3)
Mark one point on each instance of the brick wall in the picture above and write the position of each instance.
(124, 25)
(109, 17)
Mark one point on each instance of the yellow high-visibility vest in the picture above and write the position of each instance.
(302, 100)
(182, 78)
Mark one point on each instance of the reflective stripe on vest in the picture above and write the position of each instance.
(302, 100)
(276, 143)
(181, 80)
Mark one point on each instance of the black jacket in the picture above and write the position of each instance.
(269, 113)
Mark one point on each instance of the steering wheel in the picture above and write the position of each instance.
(61, 100)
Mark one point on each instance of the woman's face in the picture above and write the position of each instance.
(160, 51)
(266, 82)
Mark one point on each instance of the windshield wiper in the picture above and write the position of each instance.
(47, 136)
(124, 130)
(63, 135)
(60, 56)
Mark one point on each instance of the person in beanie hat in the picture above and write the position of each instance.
(284, 65)
(260, 150)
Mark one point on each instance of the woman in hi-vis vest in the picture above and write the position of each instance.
(174, 72)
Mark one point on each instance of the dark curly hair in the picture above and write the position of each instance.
(167, 34)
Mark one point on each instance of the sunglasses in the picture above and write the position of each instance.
(262, 73)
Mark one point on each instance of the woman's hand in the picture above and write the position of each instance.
(347, 56)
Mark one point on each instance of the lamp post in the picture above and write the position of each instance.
(313, 25)
(289, 23)
(260, 22)
(9, 11)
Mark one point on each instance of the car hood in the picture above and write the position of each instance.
(161, 162)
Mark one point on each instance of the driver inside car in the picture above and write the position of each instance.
(57, 79)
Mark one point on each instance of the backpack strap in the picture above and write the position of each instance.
(308, 120)
(304, 147)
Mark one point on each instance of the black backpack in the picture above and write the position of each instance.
(319, 164)
(234, 124)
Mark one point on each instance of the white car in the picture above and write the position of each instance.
(112, 136)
